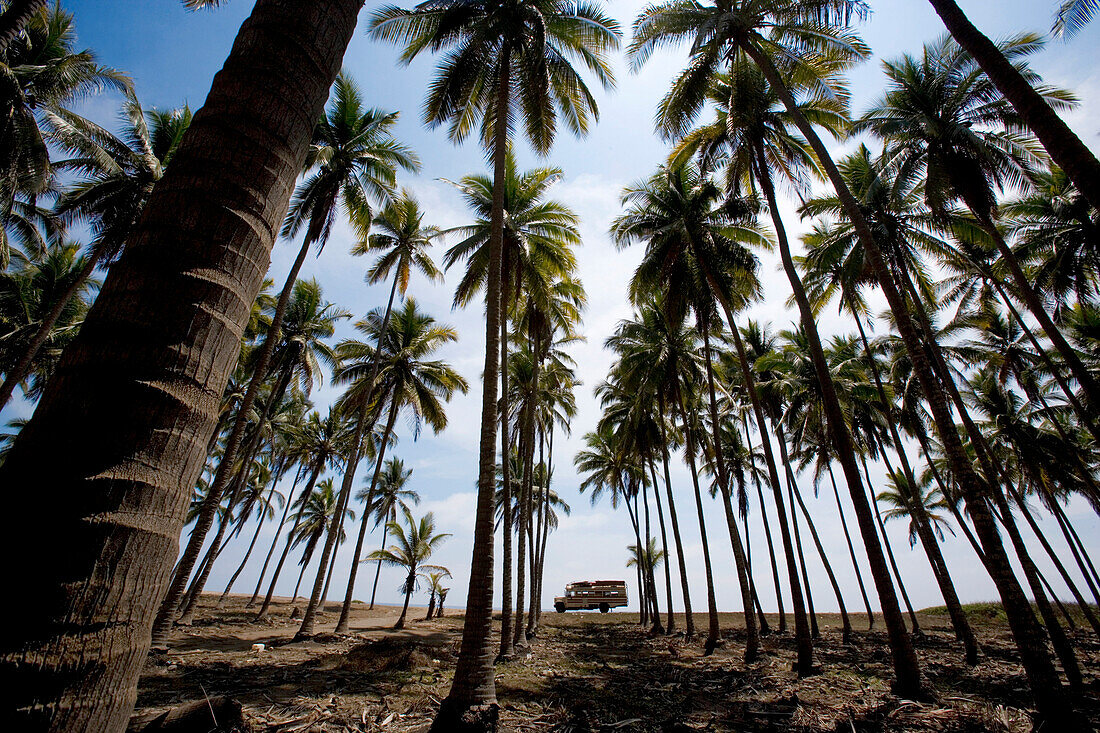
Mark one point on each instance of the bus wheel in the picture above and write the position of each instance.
(559, 607)
(604, 608)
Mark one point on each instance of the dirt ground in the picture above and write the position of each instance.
(592, 672)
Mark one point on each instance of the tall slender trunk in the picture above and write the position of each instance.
(803, 641)
(378, 568)
(671, 618)
(361, 429)
(536, 543)
(1063, 647)
(1067, 150)
(768, 537)
(852, 552)
(714, 634)
(815, 632)
(22, 368)
(890, 550)
(657, 626)
(1077, 551)
(506, 648)
(526, 442)
(474, 683)
(1042, 677)
(846, 622)
(685, 586)
(306, 558)
(643, 583)
(906, 666)
(274, 541)
(762, 620)
(1074, 539)
(251, 545)
(314, 474)
(405, 609)
(752, 631)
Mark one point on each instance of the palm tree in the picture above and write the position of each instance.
(504, 57)
(29, 296)
(1016, 84)
(647, 557)
(964, 138)
(413, 548)
(41, 75)
(435, 587)
(799, 31)
(407, 380)
(121, 176)
(391, 495)
(316, 513)
(538, 239)
(135, 395)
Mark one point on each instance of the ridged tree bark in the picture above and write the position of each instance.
(506, 650)
(1065, 148)
(138, 389)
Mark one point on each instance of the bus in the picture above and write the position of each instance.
(589, 595)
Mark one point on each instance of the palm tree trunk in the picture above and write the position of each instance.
(1063, 647)
(378, 569)
(536, 543)
(657, 626)
(714, 634)
(1067, 150)
(852, 552)
(251, 545)
(906, 666)
(1042, 677)
(353, 460)
(803, 638)
(274, 542)
(474, 683)
(431, 608)
(815, 632)
(1076, 549)
(22, 368)
(345, 610)
(1073, 537)
(301, 574)
(262, 614)
(331, 567)
(519, 635)
(139, 384)
(165, 616)
(643, 582)
(671, 625)
(405, 609)
(767, 536)
(890, 550)
(762, 620)
(752, 632)
(685, 587)
(846, 623)
(15, 18)
(506, 650)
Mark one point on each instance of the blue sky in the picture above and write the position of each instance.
(172, 56)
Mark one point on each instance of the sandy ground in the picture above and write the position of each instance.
(590, 672)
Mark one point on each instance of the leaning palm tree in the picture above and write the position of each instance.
(408, 380)
(156, 352)
(506, 60)
(390, 495)
(1016, 84)
(436, 589)
(317, 510)
(414, 547)
(797, 32)
(120, 174)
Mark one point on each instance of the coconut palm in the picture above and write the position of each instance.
(53, 288)
(412, 549)
(391, 495)
(120, 176)
(436, 590)
(1017, 86)
(907, 501)
(1073, 15)
(191, 275)
(647, 557)
(506, 61)
(318, 508)
(408, 380)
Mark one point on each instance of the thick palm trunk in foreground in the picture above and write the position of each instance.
(1067, 150)
(137, 392)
